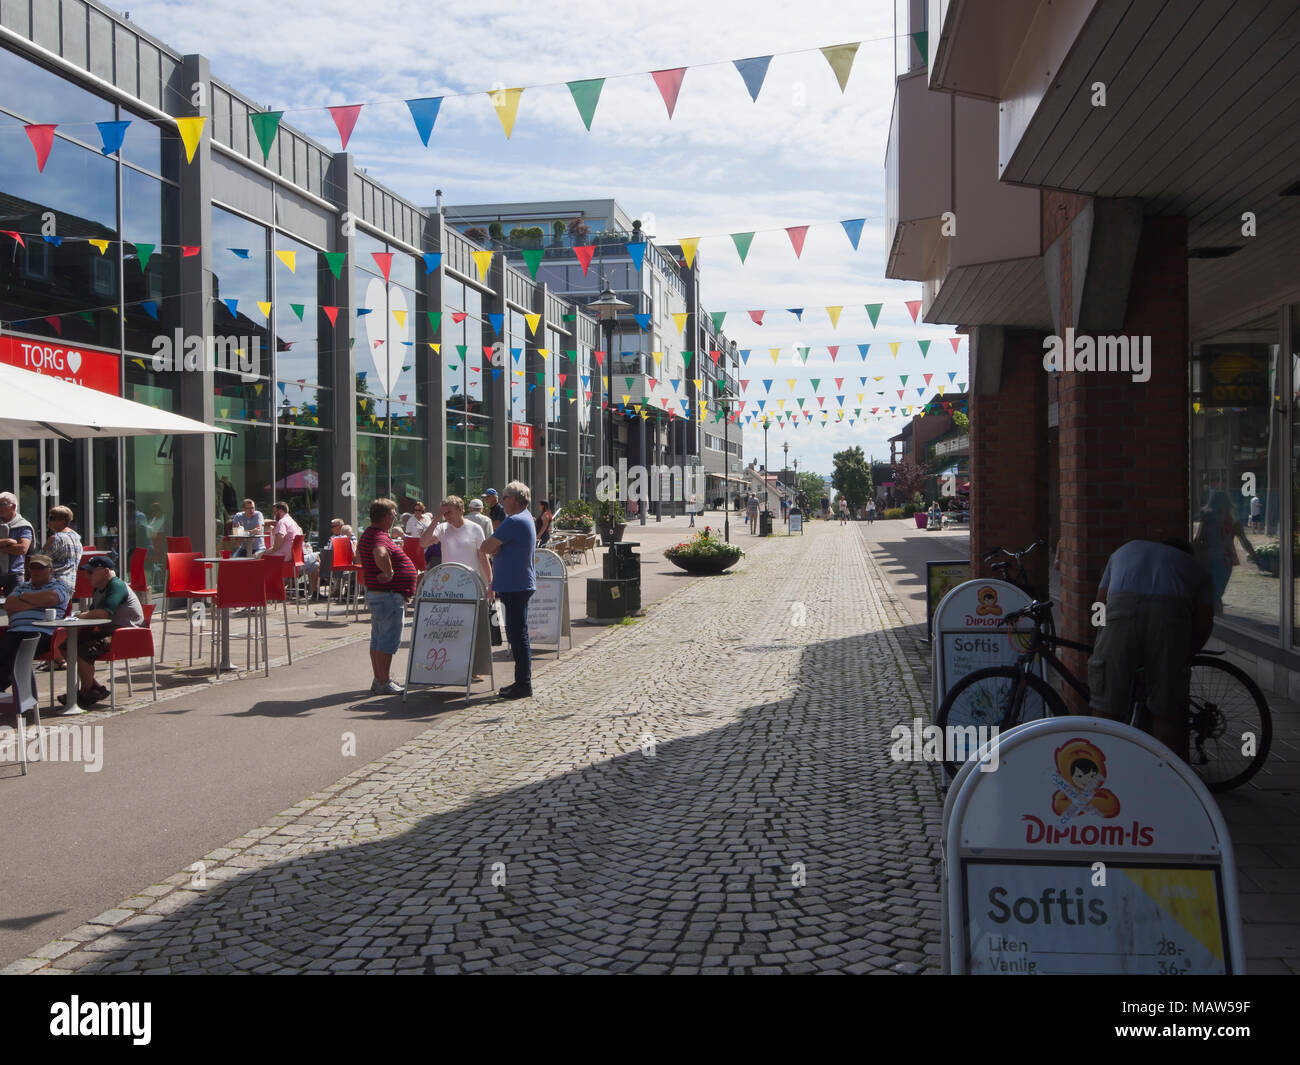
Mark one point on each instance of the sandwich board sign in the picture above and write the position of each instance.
(548, 608)
(967, 633)
(1091, 848)
(795, 520)
(449, 636)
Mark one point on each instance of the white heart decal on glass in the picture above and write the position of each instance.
(74, 361)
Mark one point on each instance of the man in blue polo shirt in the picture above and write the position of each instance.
(27, 604)
(511, 549)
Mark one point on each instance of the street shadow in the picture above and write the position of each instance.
(786, 838)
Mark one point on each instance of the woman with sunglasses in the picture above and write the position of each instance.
(63, 546)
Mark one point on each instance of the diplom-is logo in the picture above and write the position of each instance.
(1081, 798)
(988, 612)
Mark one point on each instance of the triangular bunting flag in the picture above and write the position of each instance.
(753, 71)
(742, 242)
(482, 260)
(290, 259)
(797, 235)
(112, 134)
(506, 104)
(584, 252)
(191, 131)
(586, 94)
(345, 120)
(533, 259)
(42, 137)
(636, 249)
(670, 84)
(913, 308)
(924, 345)
(335, 261)
(144, 252)
(840, 57)
(425, 113)
(266, 124)
(834, 313)
(265, 307)
(853, 230)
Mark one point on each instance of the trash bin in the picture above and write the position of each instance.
(765, 523)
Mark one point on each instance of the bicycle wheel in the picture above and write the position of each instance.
(986, 698)
(1229, 716)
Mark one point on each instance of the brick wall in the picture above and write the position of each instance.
(1123, 444)
(1008, 456)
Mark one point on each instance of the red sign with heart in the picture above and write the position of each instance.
(88, 367)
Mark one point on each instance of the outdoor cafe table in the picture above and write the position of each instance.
(70, 653)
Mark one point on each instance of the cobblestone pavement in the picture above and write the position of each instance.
(708, 789)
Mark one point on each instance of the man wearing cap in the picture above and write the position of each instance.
(16, 538)
(116, 604)
(26, 605)
(476, 515)
(494, 508)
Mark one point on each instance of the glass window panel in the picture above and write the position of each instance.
(150, 215)
(242, 278)
(35, 94)
(244, 461)
(1236, 438)
(302, 362)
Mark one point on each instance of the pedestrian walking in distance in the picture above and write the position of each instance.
(511, 550)
(844, 511)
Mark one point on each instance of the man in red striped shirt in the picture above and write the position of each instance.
(389, 576)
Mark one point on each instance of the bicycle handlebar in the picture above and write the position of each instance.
(1017, 555)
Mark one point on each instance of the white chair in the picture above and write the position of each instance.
(22, 697)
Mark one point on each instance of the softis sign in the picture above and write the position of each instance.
(521, 436)
(88, 367)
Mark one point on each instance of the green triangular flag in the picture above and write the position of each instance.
(586, 94)
(144, 252)
(803, 353)
(743, 241)
(297, 309)
(335, 259)
(629, 382)
(924, 345)
(815, 382)
(435, 320)
(801, 402)
(540, 376)
(873, 312)
(462, 348)
(569, 392)
(718, 317)
(266, 124)
(902, 377)
(533, 257)
(87, 316)
(573, 317)
(922, 42)
(686, 358)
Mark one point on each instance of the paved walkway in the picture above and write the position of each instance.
(706, 789)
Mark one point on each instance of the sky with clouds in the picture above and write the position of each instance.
(803, 154)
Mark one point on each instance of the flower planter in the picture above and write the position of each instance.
(703, 565)
(611, 536)
(922, 520)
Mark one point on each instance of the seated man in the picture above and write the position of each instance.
(114, 602)
(286, 531)
(25, 606)
(1159, 612)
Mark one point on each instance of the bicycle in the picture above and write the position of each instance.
(1225, 706)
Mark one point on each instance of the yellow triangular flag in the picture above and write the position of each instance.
(941, 388)
(191, 130)
(363, 401)
(1196, 408)
(680, 319)
(506, 102)
(519, 373)
(437, 348)
(780, 404)
(658, 357)
(834, 312)
(893, 346)
(626, 399)
(532, 320)
(840, 57)
(775, 353)
(791, 382)
(544, 352)
(256, 388)
(860, 395)
(482, 259)
(699, 384)
(264, 307)
(401, 319)
(290, 259)
(551, 389)
(689, 245)
(878, 378)
(102, 245)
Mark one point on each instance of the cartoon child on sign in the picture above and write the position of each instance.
(988, 598)
(1080, 773)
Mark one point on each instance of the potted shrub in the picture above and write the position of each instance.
(477, 234)
(1268, 557)
(576, 517)
(557, 233)
(494, 231)
(704, 553)
(611, 520)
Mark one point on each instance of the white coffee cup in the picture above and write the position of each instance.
(50, 614)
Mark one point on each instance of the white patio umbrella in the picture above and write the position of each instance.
(36, 406)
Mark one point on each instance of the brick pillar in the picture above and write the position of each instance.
(1008, 446)
(1123, 444)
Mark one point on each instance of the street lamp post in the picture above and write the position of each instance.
(607, 305)
(724, 397)
(766, 494)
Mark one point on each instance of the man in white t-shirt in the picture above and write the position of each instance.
(459, 539)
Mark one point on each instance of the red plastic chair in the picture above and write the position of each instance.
(138, 582)
(178, 545)
(83, 590)
(186, 579)
(297, 570)
(276, 578)
(344, 562)
(411, 545)
(241, 583)
(128, 643)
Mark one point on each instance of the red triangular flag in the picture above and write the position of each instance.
(332, 313)
(757, 316)
(600, 357)
(42, 138)
(458, 316)
(16, 235)
(714, 356)
(384, 260)
(797, 235)
(670, 84)
(913, 308)
(345, 118)
(584, 252)
(188, 251)
(835, 350)
(55, 324)
(927, 377)
(956, 342)
(839, 382)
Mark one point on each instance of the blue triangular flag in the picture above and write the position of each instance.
(864, 348)
(280, 386)
(362, 311)
(55, 240)
(496, 320)
(796, 311)
(853, 228)
(242, 253)
(111, 133)
(496, 372)
(233, 307)
(636, 249)
(767, 384)
(151, 308)
(952, 376)
(425, 113)
(753, 71)
(432, 260)
(643, 320)
(518, 353)
(676, 383)
(454, 388)
(762, 403)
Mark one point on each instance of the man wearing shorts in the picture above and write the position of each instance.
(114, 603)
(389, 576)
(1159, 612)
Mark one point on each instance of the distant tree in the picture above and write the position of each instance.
(961, 421)
(477, 234)
(579, 231)
(909, 478)
(494, 230)
(813, 487)
(852, 477)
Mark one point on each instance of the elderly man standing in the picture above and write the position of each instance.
(16, 538)
(476, 515)
(27, 604)
(116, 604)
(513, 581)
(390, 577)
